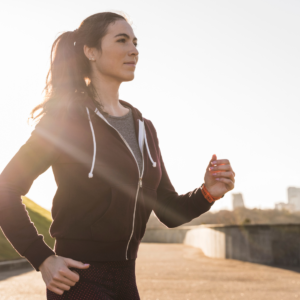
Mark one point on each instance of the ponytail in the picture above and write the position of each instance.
(69, 72)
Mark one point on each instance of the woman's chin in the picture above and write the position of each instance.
(128, 77)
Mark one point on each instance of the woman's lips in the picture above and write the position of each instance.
(130, 64)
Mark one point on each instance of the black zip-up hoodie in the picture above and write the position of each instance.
(102, 203)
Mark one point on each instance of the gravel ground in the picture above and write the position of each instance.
(176, 271)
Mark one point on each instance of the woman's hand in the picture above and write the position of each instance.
(219, 177)
(56, 274)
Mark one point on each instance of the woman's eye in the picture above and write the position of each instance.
(123, 40)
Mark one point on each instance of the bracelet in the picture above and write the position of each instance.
(207, 195)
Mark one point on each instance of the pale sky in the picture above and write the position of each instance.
(214, 77)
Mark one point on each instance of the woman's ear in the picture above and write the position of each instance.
(89, 52)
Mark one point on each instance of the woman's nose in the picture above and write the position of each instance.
(134, 51)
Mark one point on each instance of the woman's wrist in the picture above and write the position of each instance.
(207, 195)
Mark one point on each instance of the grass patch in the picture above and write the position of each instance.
(41, 219)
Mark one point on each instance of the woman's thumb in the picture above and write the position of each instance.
(213, 158)
(76, 264)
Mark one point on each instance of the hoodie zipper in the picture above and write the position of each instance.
(140, 175)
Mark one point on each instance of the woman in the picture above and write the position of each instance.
(107, 165)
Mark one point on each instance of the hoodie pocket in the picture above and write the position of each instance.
(114, 224)
(80, 208)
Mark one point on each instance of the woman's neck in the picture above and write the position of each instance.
(107, 94)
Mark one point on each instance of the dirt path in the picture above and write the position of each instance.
(179, 272)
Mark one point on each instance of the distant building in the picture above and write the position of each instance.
(285, 206)
(294, 197)
(237, 200)
(293, 200)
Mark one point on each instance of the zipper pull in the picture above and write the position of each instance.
(140, 181)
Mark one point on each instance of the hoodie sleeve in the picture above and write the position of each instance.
(172, 209)
(31, 160)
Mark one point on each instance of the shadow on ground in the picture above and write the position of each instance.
(10, 273)
(289, 268)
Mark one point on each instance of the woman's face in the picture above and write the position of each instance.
(119, 55)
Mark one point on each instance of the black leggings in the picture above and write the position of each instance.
(110, 280)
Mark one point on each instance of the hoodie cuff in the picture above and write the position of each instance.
(37, 253)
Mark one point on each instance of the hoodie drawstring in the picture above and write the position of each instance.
(94, 142)
(149, 154)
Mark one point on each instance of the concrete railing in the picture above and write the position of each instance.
(266, 244)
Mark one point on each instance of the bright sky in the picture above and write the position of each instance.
(215, 77)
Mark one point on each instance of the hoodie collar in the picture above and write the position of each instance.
(137, 115)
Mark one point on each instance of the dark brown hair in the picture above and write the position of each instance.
(69, 72)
